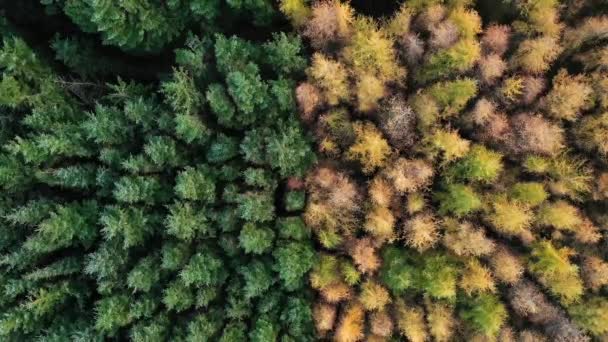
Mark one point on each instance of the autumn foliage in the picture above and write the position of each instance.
(461, 156)
(304, 170)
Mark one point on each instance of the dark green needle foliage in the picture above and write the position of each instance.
(150, 25)
(155, 212)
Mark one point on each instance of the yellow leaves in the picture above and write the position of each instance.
(336, 292)
(449, 143)
(476, 278)
(370, 147)
(331, 77)
(329, 147)
(592, 132)
(370, 90)
(409, 175)
(411, 322)
(566, 217)
(330, 23)
(351, 326)
(318, 215)
(421, 232)
(381, 192)
(510, 217)
(544, 21)
(512, 88)
(554, 270)
(367, 54)
(296, 10)
(591, 28)
(560, 215)
(332, 205)
(427, 109)
(459, 58)
(357, 70)
(441, 321)
(467, 21)
(373, 296)
(570, 176)
(399, 24)
(324, 316)
(542, 17)
(371, 51)
(506, 267)
(535, 55)
(568, 97)
(379, 223)
(415, 203)
(465, 240)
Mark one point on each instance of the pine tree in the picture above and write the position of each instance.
(136, 203)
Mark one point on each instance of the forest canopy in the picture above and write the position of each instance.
(304, 170)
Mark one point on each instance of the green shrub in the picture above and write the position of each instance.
(294, 200)
(591, 314)
(530, 193)
(479, 165)
(397, 272)
(458, 199)
(456, 59)
(553, 268)
(485, 314)
(438, 277)
(452, 96)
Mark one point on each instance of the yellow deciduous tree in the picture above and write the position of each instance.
(325, 316)
(462, 239)
(330, 23)
(595, 272)
(370, 148)
(569, 96)
(411, 323)
(370, 90)
(409, 175)
(371, 51)
(535, 55)
(447, 144)
(476, 278)
(441, 321)
(510, 217)
(380, 222)
(381, 192)
(421, 232)
(592, 133)
(350, 328)
(506, 266)
(330, 77)
(553, 268)
(560, 215)
(297, 11)
(373, 296)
